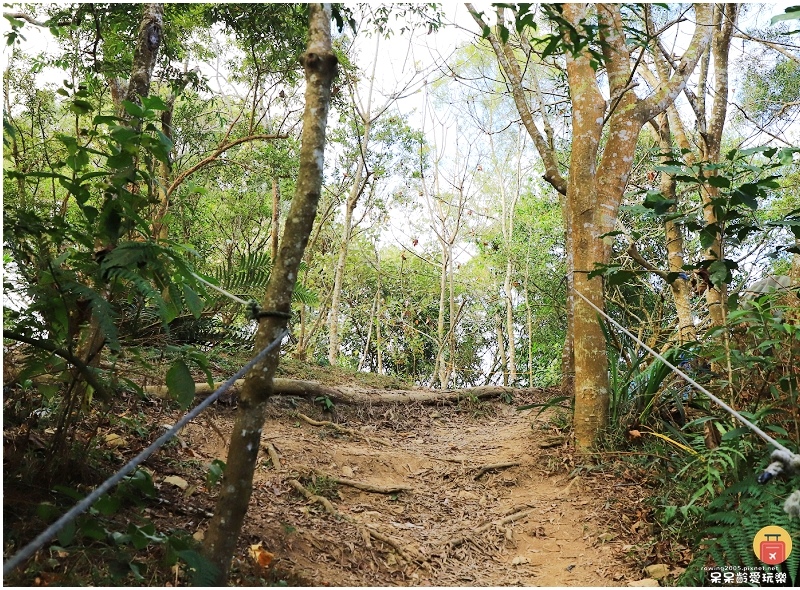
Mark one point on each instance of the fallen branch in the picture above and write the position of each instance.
(344, 395)
(552, 441)
(483, 528)
(494, 467)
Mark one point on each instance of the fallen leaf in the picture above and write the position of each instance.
(260, 555)
(347, 471)
(605, 537)
(199, 535)
(114, 440)
(177, 481)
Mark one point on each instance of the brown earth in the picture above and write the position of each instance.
(525, 524)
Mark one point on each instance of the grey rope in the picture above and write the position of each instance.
(694, 383)
(221, 290)
(254, 311)
(84, 504)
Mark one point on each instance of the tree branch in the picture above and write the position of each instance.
(217, 153)
(82, 367)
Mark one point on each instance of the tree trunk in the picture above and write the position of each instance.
(724, 22)
(680, 287)
(591, 375)
(144, 56)
(359, 183)
(276, 216)
(319, 63)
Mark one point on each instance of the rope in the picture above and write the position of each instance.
(253, 310)
(221, 290)
(84, 504)
(691, 381)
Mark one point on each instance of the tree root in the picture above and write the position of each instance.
(453, 543)
(273, 455)
(367, 530)
(342, 429)
(367, 487)
(494, 467)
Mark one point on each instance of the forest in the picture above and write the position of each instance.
(401, 294)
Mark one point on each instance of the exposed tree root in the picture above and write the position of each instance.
(273, 455)
(345, 395)
(494, 467)
(455, 542)
(367, 487)
(338, 428)
(403, 551)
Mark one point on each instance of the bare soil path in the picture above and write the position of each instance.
(483, 508)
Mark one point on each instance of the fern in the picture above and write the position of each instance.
(734, 519)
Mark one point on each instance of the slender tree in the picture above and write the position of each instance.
(320, 64)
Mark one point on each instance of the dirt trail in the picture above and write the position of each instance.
(556, 536)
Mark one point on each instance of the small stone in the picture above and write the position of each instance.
(657, 571)
(199, 535)
(646, 583)
(347, 471)
(519, 560)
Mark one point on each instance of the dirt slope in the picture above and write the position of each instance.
(553, 531)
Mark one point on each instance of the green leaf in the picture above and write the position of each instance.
(792, 13)
(133, 109)
(215, 471)
(91, 528)
(180, 383)
(656, 201)
(81, 107)
(193, 301)
(107, 504)
(204, 573)
(67, 534)
(154, 102)
(720, 273)
(719, 181)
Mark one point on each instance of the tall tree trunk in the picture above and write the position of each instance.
(276, 213)
(319, 63)
(501, 349)
(92, 340)
(359, 183)
(680, 287)
(441, 361)
(591, 375)
(724, 22)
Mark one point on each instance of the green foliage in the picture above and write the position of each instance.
(733, 520)
(326, 402)
(99, 528)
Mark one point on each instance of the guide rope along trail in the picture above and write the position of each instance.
(783, 460)
(84, 504)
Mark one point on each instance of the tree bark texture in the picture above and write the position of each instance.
(319, 63)
(595, 189)
(724, 22)
(146, 52)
